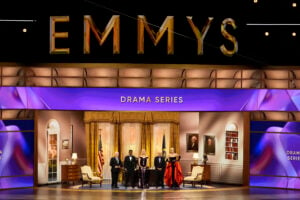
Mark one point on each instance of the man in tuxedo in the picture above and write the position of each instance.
(130, 163)
(160, 166)
(116, 165)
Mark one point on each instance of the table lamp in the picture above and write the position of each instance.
(196, 158)
(74, 158)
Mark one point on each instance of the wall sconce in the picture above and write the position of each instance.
(74, 158)
(196, 157)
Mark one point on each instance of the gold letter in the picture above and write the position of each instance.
(168, 24)
(114, 23)
(199, 35)
(228, 21)
(53, 34)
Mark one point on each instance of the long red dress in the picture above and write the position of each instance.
(176, 179)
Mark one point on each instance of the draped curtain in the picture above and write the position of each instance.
(147, 119)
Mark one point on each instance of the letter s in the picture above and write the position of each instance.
(225, 51)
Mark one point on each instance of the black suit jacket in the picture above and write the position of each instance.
(130, 165)
(113, 163)
(158, 164)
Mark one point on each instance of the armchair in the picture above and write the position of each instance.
(89, 177)
(195, 177)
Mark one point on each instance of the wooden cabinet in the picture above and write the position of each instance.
(70, 173)
(206, 171)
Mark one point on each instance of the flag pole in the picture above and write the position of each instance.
(100, 155)
(164, 145)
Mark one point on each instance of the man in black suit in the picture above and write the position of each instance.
(116, 165)
(160, 166)
(130, 163)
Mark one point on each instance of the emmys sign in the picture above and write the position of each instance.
(144, 29)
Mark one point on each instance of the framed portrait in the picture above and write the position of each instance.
(209, 145)
(192, 142)
(65, 144)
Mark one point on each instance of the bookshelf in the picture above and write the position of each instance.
(231, 146)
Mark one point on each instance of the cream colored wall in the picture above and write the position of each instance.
(189, 123)
(65, 120)
(214, 124)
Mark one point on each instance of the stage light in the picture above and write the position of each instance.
(267, 33)
(255, 1)
(24, 30)
(294, 5)
(294, 34)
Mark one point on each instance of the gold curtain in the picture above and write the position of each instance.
(92, 143)
(92, 118)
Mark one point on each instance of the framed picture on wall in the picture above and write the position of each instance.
(65, 144)
(192, 142)
(209, 145)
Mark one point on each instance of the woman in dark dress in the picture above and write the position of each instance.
(143, 168)
(173, 174)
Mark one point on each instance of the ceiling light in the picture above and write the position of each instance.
(267, 33)
(294, 5)
(255, 1)
(24, 30)
(294, 34)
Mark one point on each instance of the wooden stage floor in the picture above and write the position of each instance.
(230, 193)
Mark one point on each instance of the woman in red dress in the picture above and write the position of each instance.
(173, 174)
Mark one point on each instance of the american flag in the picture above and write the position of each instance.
(164, 146)
(100, 157)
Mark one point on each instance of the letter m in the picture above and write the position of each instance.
(113, 24)
(168, 25)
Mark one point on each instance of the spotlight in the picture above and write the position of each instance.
(267, 33)
(24, 30)
(255, 1)
(294, 34)
(294, 5)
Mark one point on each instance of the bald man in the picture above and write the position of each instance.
(116, 165)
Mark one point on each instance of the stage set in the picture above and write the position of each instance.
(233, 147)
(78, 84)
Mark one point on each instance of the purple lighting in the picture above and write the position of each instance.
(275, 154)
(154, 99)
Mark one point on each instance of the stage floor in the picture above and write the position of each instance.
(60, 192)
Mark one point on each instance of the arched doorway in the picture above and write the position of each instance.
(53, 133)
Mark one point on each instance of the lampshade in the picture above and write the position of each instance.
(74, 156)
(196, 155)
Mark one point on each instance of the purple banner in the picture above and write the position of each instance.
(16, 153)
(154, 99)
(275, 154)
